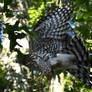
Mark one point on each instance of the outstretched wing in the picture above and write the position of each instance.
(51, 30)
(54, 24)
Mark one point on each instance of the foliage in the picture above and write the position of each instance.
(73, 84)
(18, 29)
(3, 81)
(83, 18)
(37, 10)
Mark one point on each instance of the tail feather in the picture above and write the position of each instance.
(75, 46)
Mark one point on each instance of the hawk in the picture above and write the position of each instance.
(57, 46)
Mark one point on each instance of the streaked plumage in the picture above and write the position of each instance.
(55, 47)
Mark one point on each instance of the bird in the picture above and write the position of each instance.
(57, 46)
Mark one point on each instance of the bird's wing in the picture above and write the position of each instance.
(54, 24)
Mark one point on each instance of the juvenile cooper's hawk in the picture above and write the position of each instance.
(55, 47)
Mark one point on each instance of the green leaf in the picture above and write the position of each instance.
(86, 15)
